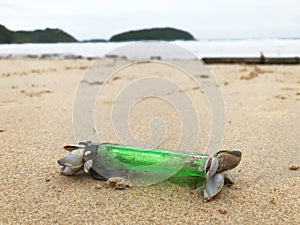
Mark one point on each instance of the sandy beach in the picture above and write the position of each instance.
(262, 120)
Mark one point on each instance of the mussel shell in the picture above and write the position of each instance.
(213, 187)
(87, 165)
(228, 160)
(211, 166)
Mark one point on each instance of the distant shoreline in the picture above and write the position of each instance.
(207, 60)
(266, 51)
(85, 41)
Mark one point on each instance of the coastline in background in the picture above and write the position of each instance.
(201, 49)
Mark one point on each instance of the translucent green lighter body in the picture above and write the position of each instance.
(152, 160)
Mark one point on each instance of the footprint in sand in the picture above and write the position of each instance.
(256, 71)
(36, 94)
(280, 97)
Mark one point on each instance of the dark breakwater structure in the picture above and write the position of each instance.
(251, 60)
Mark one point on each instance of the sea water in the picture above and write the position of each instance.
(200, 48)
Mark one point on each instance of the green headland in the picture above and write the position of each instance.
(56, 35)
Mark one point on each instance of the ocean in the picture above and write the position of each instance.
(201, 48)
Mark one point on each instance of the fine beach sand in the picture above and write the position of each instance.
(262, 120)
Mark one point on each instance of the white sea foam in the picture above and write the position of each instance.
(201, 48)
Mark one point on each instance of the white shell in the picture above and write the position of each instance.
(213, 168)
(213, 187)
(86, 153)
(68, 171)
(73, 159)
(88, 165)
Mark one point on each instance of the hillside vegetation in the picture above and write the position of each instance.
(37, 36)
(49, 35)
(164, 34)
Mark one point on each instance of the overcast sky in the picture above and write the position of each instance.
(204, 19)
